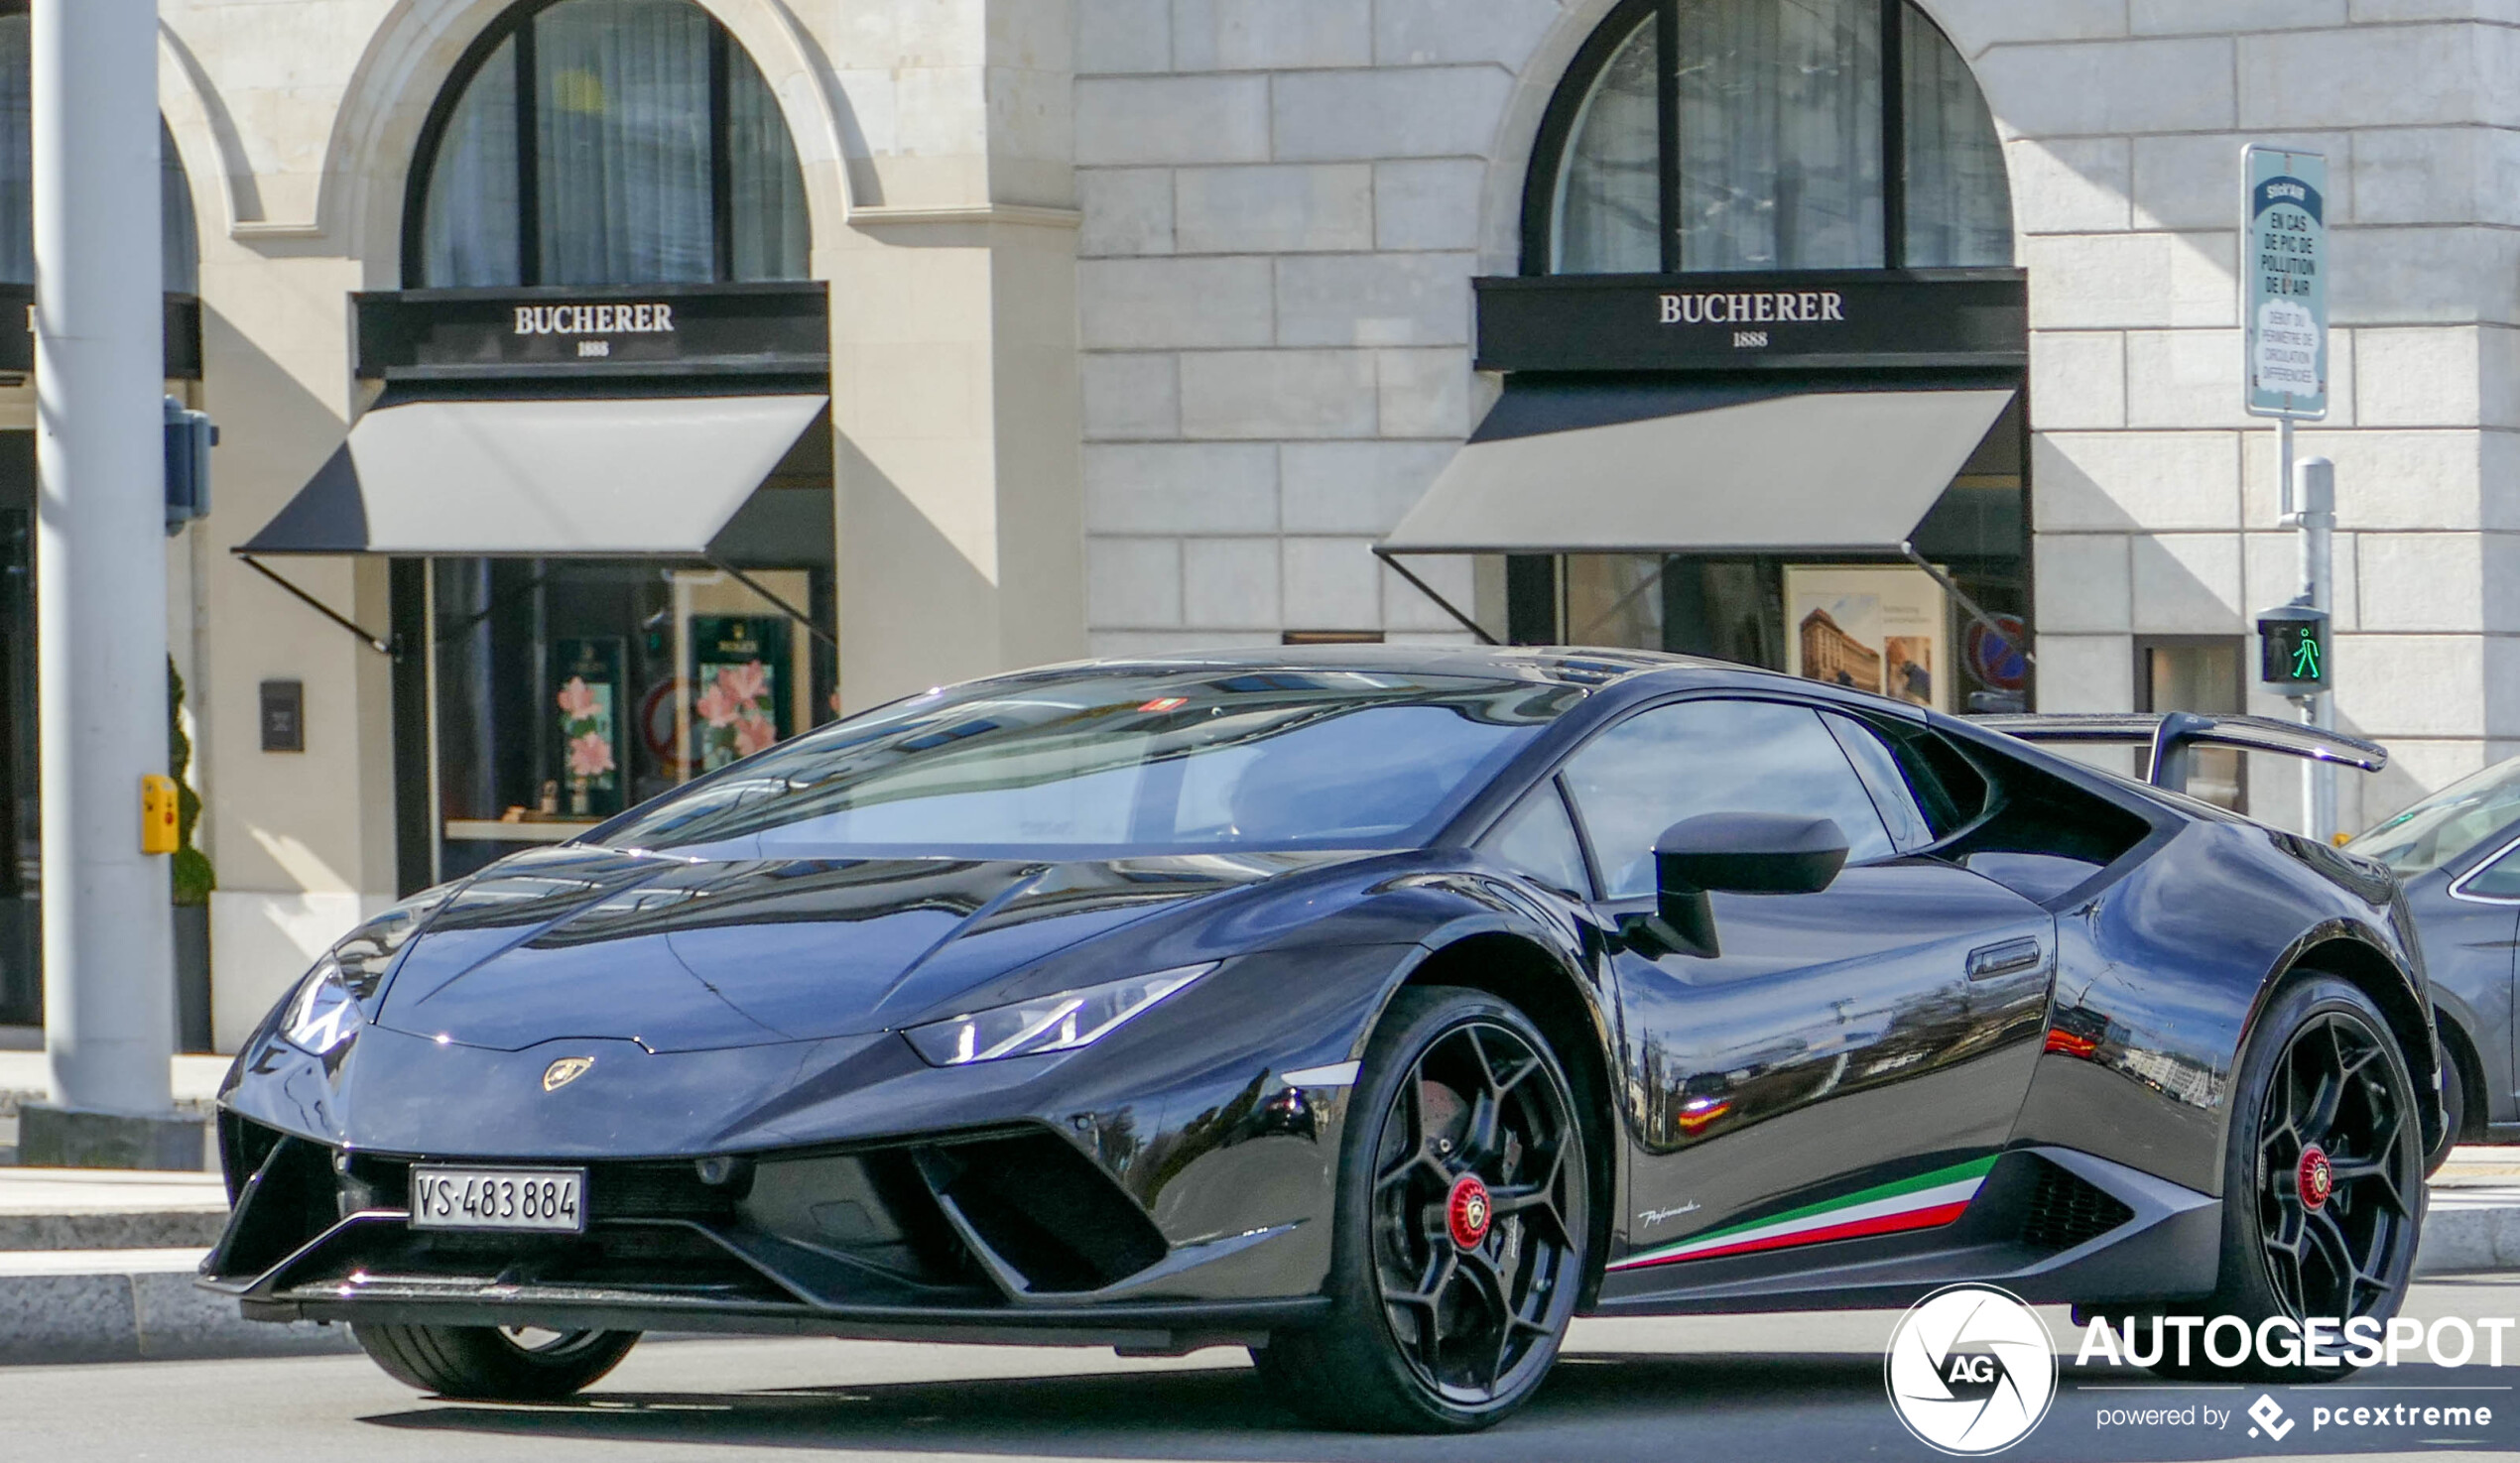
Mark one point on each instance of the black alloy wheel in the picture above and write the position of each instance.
(2338, 1183)
(2324, 1178)
(1462, 1230)
(494, 1363)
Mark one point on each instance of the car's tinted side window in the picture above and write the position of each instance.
(1882, 778)
(2499, 880)
(1539, 839)
(1678, 761)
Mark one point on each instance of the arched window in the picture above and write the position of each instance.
(182, 245)
(606, 142)
(1767, 135)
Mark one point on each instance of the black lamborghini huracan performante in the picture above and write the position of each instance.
(1377, 1010)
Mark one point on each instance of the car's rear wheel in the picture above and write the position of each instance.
(2323, 1182)
(1461, 1229)
(494, 1363)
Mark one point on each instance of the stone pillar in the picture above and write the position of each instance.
(101, 612)
(953, 376)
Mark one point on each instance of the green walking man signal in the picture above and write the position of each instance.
(2292, 650)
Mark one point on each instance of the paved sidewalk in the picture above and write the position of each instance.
(98, 1265)
(108, 1209)
(26, 1075)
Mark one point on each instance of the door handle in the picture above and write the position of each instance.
(2012, 957)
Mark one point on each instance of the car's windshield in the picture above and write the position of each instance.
(1105, 764)
(2442, 827)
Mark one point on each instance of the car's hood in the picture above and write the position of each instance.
(684, 956)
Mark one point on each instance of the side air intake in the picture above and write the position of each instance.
(1044, 1211)
(2067, 1210)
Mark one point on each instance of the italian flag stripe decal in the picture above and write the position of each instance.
(1924, 1202)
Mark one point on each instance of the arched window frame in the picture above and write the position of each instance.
(516, 23)
(179, 235)
(1565, 110)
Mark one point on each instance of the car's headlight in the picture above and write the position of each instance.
(1060, 1023)
(323, 1014)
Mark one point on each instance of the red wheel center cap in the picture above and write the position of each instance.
(2317, 1178)
(1468, 1211)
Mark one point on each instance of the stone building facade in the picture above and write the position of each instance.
(1285, 200)
(1148, 319)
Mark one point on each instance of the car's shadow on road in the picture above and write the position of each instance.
(1604, 1407)
(1599, 1406)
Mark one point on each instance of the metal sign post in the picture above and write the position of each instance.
(2283, 330)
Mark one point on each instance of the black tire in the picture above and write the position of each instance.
(2322, 1073)
(1454, 1083)
(487, 1364)
(2457, 1094)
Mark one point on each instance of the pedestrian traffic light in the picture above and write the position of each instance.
(2292, 650)
(189, 437)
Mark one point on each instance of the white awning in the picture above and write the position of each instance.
(1811, 472)
(648, 476)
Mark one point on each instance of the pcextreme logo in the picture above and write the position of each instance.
(1971, 1370)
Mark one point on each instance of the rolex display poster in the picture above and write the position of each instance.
(739, 698)
(585, 700)
(1881, 628)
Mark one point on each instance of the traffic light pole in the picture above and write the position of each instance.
(2311, 512)
(100, 588)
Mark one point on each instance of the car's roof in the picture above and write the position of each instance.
(1559, 664)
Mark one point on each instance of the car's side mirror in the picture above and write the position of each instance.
(1738, 853)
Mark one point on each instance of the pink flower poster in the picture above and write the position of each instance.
(585, 703)
(739, 702)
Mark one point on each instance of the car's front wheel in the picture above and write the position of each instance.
(2323, 1180)
(1461, 1229)
(494, 1363)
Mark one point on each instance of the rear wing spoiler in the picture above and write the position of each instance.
(2173, 736)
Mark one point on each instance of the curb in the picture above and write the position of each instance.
(141, 1314)
(163, 1229)
(2467, 1238)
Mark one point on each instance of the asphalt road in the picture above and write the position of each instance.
(1789, 1389)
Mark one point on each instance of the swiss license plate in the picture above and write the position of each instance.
(540, 1199)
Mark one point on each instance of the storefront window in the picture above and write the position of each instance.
(1948, 638)
(569, 691)
(610, 142)
(1801, 134)
(181, 269)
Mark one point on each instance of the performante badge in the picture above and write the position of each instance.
(565, 1071)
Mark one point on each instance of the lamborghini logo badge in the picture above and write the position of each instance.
(565, 1071)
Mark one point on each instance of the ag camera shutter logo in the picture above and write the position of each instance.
(1970, 1370)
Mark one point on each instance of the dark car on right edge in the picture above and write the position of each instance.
(2457, 855)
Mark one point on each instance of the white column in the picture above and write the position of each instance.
(100, 551)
